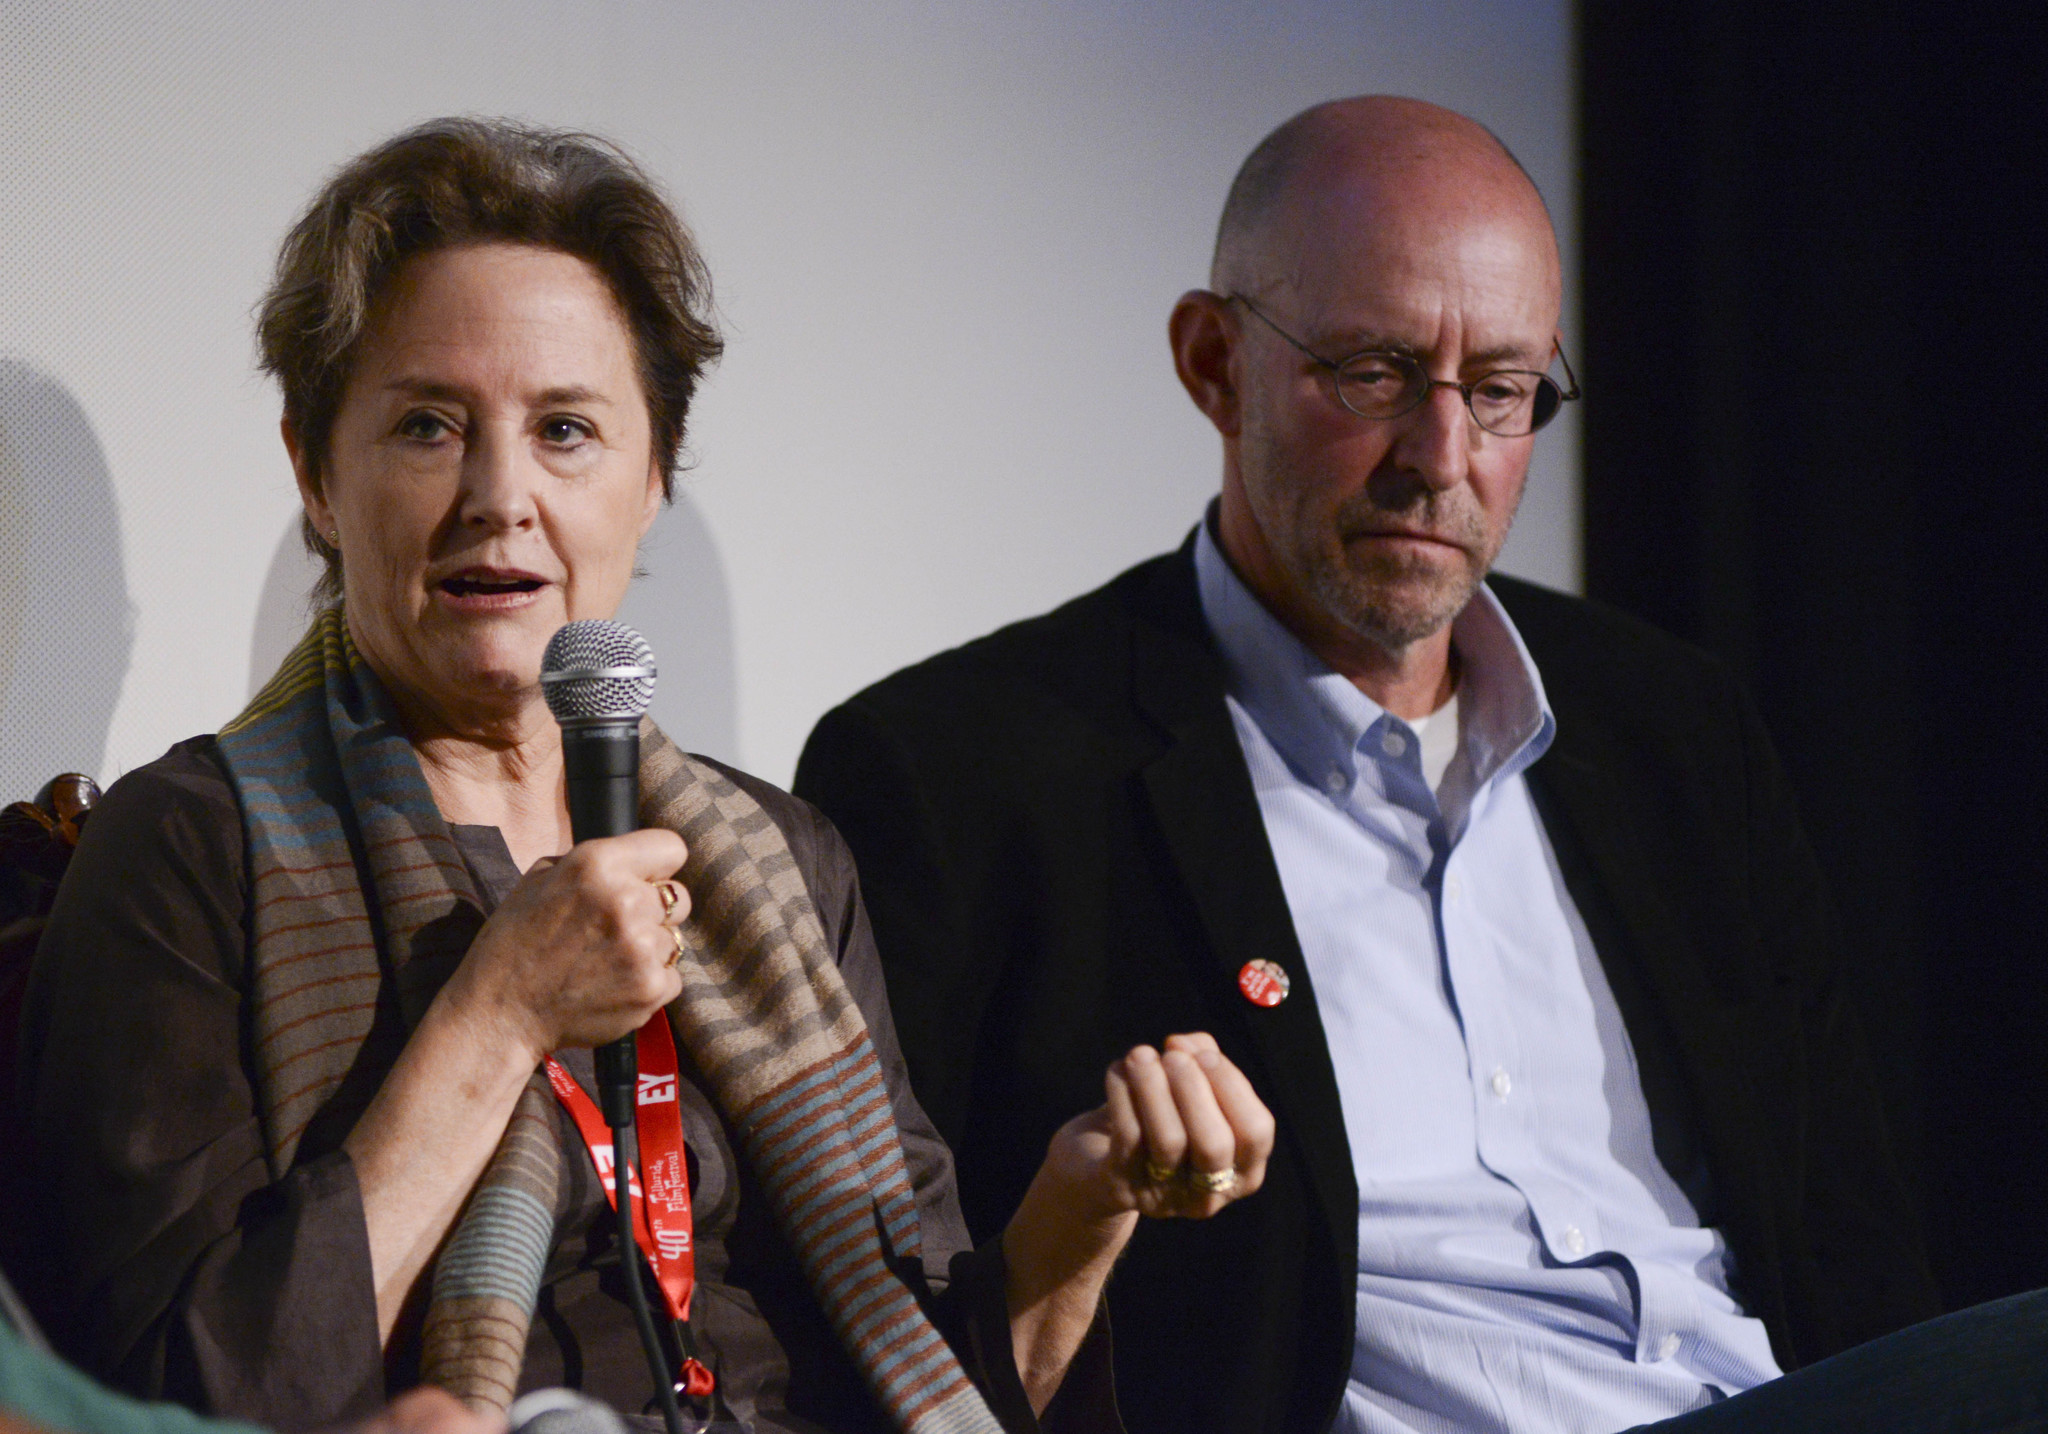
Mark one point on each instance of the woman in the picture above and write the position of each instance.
(284, 1031)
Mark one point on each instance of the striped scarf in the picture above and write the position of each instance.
(359, 894)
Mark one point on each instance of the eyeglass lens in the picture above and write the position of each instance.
(1510, 402)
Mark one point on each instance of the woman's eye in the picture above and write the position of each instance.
(564, 431)
(423, 427)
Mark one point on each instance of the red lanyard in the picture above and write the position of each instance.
(661, 1191)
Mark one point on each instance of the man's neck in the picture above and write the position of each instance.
(1412, 682)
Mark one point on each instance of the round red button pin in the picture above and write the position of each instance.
(1263, 982)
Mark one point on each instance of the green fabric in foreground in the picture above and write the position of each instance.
(43, 1389)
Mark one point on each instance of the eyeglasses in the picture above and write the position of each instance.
(1509, 402)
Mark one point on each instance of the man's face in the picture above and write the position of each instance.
(1384, 528)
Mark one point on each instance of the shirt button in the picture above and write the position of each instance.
(1575, 1239)
(1502, 1084)
(1393, 743)
(1335, 780)
(1667, 1346)
(1453, 888)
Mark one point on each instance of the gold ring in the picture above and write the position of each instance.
(1157, 1174)
(677, 933)
(671, 894)
(1213, 1182)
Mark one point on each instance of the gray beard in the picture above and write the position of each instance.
(1395, 602)
(1382, 612)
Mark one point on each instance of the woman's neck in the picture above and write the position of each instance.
(516, 789)
(505, 773)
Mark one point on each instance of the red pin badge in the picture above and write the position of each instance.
(1264, 983)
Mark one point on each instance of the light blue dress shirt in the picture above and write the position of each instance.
(1525, 1263)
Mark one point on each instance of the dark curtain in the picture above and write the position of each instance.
(1813, 314)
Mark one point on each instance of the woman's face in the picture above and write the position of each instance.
(489, 475)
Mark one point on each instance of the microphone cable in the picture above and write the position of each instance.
(626, 1159)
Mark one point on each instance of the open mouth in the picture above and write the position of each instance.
(472, 585)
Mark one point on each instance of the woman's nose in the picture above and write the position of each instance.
(499, 477)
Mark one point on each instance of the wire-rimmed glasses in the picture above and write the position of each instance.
(1375, 384)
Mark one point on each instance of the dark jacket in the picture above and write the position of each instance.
(1063, 856)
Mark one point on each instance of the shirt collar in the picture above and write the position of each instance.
(1318, 721)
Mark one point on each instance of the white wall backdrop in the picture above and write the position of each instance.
(945, 239)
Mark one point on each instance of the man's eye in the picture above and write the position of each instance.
(564, 431)
(1375, 375)
(1504, 390)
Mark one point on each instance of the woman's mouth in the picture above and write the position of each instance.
(479, 591)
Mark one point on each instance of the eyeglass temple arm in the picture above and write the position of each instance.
(1569, 377)
(1331, 364)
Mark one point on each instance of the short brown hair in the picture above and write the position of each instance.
(450, 182)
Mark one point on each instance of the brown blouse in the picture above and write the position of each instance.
(171, 1265)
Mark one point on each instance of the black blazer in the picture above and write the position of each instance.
(1063, 857)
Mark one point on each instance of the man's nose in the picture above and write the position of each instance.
(1437, 438)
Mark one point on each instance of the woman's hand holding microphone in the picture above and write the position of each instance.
(584, 949)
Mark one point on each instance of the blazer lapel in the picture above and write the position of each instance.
(1626, 881)
(1209, 818)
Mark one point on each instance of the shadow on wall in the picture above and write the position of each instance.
(66, 625)
(285, 607)
(681, 604)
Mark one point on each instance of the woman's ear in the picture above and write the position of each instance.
(1203, 331)
(655, 497)
(310, 496)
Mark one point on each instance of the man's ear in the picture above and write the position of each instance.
(1203, 331)
(309, 489)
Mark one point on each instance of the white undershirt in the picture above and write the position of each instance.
(1437, 735)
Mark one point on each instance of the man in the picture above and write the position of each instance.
(1497, 896)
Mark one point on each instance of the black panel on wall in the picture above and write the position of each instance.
(1813, 301)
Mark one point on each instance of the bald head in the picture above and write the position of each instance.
(1352, 161)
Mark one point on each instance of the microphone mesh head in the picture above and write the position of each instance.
(597, 671)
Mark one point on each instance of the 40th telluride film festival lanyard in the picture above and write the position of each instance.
(661, 1187)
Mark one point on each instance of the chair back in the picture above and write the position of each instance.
(36, 842)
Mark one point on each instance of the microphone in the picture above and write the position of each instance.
(562, 1411)
(598, 679)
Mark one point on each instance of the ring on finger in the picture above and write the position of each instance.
(1213, 1182)
(671, 893)
(677, 933)
(1158, 1174)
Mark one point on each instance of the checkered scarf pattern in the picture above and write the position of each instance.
(356, 884)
